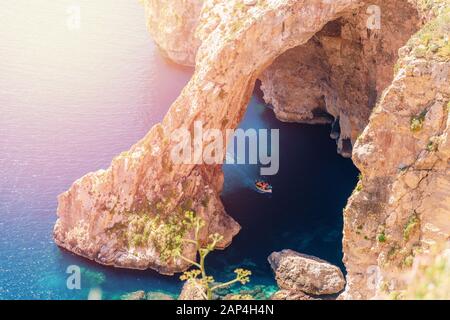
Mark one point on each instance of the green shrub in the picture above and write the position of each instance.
(396, 295)
(137, 240)
(411, 226)
(92, 278)
(393, 251)
(432, 40)
(432, 146)
(416, 123)
(359, 185)
(382, 237)
(408, 262)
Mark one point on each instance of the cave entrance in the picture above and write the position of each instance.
(305, 211)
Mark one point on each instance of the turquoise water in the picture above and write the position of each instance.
(72, 100)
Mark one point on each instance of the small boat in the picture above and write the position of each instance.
(263, 187)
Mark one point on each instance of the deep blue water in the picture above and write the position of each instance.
(59, 120)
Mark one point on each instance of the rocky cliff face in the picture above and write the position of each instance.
(125, 215)
(401, 206)
(172, 25)
(341, 72)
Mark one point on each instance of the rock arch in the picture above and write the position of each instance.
(102, 212)
(238, 44)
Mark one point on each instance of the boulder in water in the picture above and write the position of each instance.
(192, 290)
(137, 295)
(296, 272)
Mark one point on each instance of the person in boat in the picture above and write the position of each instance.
(263, 185)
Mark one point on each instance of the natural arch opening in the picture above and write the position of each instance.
(304, 213)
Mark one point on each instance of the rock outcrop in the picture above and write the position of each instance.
(290, 295)
(172, 26)
(125, 215)
(157, 295)
(336, 77)
(137, 295)
(302, 274)
(141, 295)
(192, 290)
(401, 205)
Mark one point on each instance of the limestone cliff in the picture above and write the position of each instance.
(172, 26)
(341, 72)
(124, 215)
(401, 206)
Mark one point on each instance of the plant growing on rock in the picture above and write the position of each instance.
(382, 237)
(432, 146)
(199, 274)
(430, 279)
(411, 226)
(408, 261)
(416, 123)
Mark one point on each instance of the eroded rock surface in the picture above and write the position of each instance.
(342, 71)
(192, 290)
(401, 206)
(172, 25)
(137, 295)
(336, 77)
(290, 295)
(299, 273)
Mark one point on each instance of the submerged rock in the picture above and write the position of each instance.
(290, 295)
(158, 295)
(192, 290)
(296, 272)
(256, 292)
(141, 295)
(137, 295)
